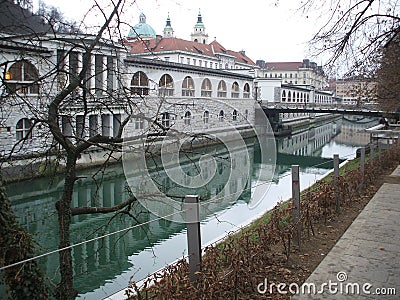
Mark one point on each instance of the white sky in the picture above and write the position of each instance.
(264, 30)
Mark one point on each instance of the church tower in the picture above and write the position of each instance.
(199, 34)
(168, 30)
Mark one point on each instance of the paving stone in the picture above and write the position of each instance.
(369, 250)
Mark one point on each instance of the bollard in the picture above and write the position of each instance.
(379, 151)
(372, 154)
(336, 180)
(362, 161)
(193, 235)
(296, 202)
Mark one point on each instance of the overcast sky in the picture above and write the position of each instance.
(264, 30)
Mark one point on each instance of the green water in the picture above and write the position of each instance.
(104, 266)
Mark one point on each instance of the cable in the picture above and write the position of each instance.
(86, 241)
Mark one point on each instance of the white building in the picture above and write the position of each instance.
(195, 96)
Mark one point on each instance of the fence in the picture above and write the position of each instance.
(233, 268)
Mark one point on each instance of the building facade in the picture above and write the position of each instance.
(295, 73)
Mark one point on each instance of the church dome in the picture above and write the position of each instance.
(142, 29)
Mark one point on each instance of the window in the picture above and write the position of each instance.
(110, 75)
(221, 92)
(93, 125)
(188, 87)
(22, 78)
(246, 91)
(206, 116)
(221, 116)
(182, 60)
(194, 61)
(187, 118)
(200, 63)
(188, 61)
(166, 58)
(66, 125)
(246, 114)
(206, 64)
(289, 98)
(166, 86)
(234, 115)
(98, 75)
(106, 125)
(80, 126)
(140, 84)
(23, 129)
(206, 88)
(165, 119)
(235, 90)
(116, 124)
(283, 96)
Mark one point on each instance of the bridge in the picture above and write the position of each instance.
(310, 108)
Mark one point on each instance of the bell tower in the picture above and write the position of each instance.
(168, 30)
(199, 34)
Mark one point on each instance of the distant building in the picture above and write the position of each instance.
(355, 91)
(296, 73)
(195, 52)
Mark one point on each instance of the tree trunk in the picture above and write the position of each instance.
(65, 289)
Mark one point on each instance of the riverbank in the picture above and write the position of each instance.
(236, 267)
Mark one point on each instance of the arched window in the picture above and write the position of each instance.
(206, 88)
(301, 97)
(140, 84)
(221, 116)
(283, 96)
(246, 91)
(289, 97)
(187, 118)
(166, 119)
(221, 89)
(235, 90)
(206, 116)
(188, 87)
(23, 129)
(166, 86)
(234, 115)
(22, 78)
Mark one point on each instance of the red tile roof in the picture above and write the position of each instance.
(283, 66)
(175, 44)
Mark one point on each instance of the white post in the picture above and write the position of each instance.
(193, 235)
(336, 180)
(362, 161)
(296, 201)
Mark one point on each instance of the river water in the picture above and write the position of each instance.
(104, 266)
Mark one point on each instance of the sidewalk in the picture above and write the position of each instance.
(367, 255)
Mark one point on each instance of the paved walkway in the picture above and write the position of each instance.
(365, 262)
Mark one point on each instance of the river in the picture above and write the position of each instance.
(104, 266)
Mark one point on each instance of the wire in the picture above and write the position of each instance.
(145, 223)
(86, 241)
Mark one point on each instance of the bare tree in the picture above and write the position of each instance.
(388, 76)
(79, 91)
(353, 32)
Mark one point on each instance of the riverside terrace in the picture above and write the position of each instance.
(332, 109)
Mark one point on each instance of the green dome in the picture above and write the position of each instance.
(142, 29)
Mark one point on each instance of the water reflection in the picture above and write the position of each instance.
(105, 265)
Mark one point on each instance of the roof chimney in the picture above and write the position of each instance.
(242, 52)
